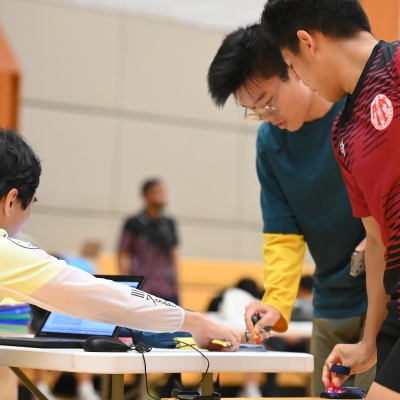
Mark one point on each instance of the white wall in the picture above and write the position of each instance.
(110, 98)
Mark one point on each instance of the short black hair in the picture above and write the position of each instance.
(148, 184)
(19, 167)
(341, 19)
(245, 55)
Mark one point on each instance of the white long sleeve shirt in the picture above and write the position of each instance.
(28, 274)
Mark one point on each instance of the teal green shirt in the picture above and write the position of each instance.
(303, 192)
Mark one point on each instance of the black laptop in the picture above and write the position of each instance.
(63, 331)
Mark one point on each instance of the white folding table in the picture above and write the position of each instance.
(158, 360)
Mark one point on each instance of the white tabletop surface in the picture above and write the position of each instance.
(158, 360)
(299, 329)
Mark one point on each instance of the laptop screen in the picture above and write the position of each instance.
(65, 325)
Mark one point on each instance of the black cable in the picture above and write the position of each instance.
(145, 348)
(194, 348)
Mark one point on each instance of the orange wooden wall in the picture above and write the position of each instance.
(384, 16)
(10, 76)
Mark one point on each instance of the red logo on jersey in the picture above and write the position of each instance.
(381, 112)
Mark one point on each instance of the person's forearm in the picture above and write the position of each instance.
(377, 298)
(192, 321)
(81, 295)
(283, 256)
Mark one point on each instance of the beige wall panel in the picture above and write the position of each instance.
(252, 206)
(166, 68)
(197, 241)
(198, 167)
(76, 151)
(251, 244)
(67, 54)
(67, 233)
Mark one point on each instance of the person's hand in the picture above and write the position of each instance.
(361, 246)
(359, 357)
(204, 331)
(269, 317)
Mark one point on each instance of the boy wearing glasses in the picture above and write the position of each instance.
(303, 195)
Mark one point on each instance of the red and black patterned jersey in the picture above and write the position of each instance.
(366, 139)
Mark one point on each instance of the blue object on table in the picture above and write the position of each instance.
(343, 393)
(340, 369)
(157, 340)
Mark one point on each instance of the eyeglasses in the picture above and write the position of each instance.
(269, 109)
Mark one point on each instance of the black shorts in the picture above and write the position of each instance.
(388, 365)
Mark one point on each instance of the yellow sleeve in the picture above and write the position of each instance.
(24, 268)
(284, 257)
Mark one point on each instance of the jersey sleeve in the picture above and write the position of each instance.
(30, 275)
(277, 214)
(283, 256)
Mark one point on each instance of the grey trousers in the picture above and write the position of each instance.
(327, 332)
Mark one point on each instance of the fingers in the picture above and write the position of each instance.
(250, 310)
(264, 324)
(361, 246)
(326, 376)
(334, 358)
(235, 342)
(233, 338)
(266, 335)
(268, 316)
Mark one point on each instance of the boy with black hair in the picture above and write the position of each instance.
(303, 196)
(330, 46)
(30, 275)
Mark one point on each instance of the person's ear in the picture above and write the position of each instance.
(10, 201)
(306, 42)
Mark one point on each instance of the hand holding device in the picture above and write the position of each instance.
(267, 317)
(334, 392)
(359, 357)
(204, 331)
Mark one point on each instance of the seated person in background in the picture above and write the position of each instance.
(30, 275)
(149, 243)
(303, 195)
(303, 309)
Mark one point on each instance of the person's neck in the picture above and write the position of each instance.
(319, 107)
(352, 55)
(153, 212)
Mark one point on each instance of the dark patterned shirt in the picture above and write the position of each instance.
(149, 244)
(366, 138)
